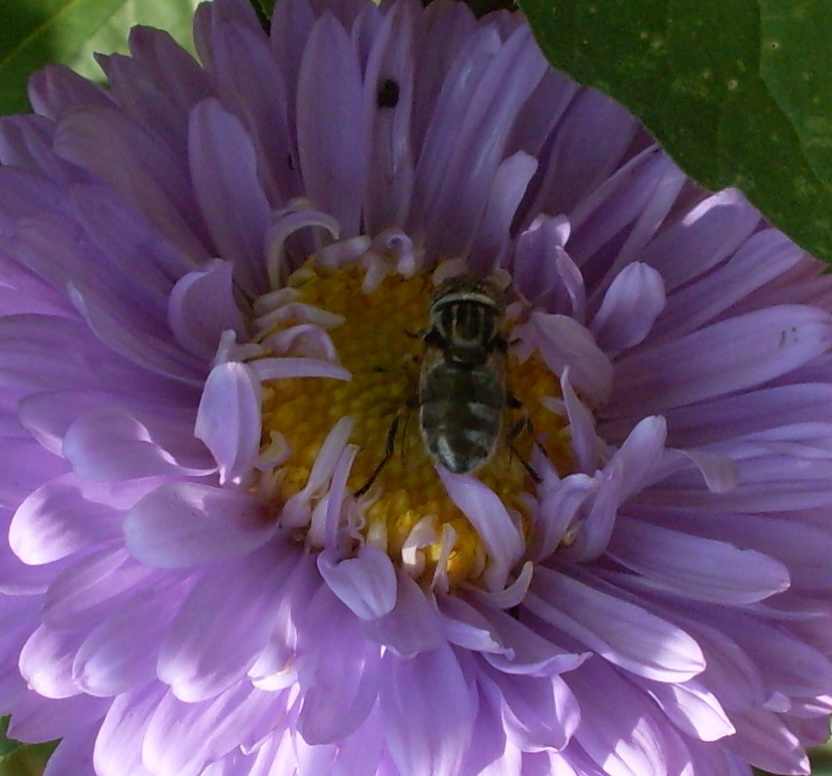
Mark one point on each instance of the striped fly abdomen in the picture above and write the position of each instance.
(460, 415)
(462, 387)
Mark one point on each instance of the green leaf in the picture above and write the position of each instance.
(798, 73)
(822, 760)
(7, 745)
(264, 8)
(18, 759)
(738, 91)
(36, 32)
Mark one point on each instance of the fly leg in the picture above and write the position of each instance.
(390, 445)
(388, 454)
(410, 404)
(525, 423)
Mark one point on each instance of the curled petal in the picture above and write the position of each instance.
(366, 584)
(719, 472)
(110, 444)
(512, 595)
(297, 511)
(559, 513)
(640, 454)
(464, 625)
(202, 307)
(585, 442)
(413, 624)
(563, 343)
(278, 368)
(305, 339)
(535, 263)
(631, 468)
(526, 652)
(572, 283)
(499, 533)
(228, 419)
(631, 305)
(510, 182)
(286, 224)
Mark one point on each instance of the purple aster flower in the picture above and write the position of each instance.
(246, 536)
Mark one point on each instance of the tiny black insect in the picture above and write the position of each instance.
(387, 95)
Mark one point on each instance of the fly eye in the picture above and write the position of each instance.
(387, 95)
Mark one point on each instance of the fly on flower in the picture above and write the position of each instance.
(462, 392)
(462, 388)
(180, 543)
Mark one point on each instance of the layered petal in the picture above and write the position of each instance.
(181, 524)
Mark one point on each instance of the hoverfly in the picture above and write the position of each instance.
(462, 384)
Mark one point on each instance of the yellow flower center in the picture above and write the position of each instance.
(379, 343)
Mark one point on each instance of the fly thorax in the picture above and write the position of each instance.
(467, 328)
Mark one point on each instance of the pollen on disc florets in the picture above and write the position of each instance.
(377, 338)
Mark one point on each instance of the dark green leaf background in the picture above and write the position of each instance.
(36, 32)
(739, 91)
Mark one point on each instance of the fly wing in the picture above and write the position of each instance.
(460, 413)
